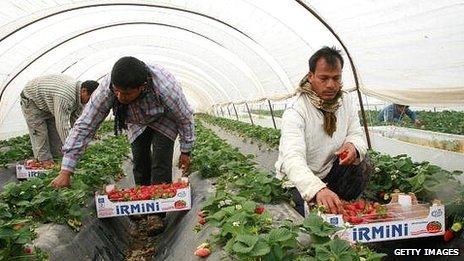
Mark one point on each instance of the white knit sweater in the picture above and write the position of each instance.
(306, 152)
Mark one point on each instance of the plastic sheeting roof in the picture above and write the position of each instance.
(404, 51)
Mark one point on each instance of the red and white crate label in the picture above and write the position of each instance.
(432, 225)
(107, 208)
(24, 173)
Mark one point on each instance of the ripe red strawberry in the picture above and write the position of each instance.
(356, 220)
(448, 235)
(350, 207)
(259, 210)
(359, 204)
(28, 250)
(343, 155)
(202, 221)
(202, 252)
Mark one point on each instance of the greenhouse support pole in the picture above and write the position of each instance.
(230, 115)
(363, 115)
(272, 113)
(236, 114)
(222, 111)
(249, 114)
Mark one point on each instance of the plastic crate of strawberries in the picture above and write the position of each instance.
(139, 200)
(403, 217)
(31, 168)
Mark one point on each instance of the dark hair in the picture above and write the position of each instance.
(330, 54)
(127, 73)
(89, 86)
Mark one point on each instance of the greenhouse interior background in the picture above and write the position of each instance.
(238, 60)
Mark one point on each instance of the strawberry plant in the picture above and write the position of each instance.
(394, 173)
(246, 229)
(19, 148)
(269, 136)
(39, 202)
(13, 235)
(14, 150)
(427, 181)
(277, 113)
(106, 127)
(445, 121)
(213, 157)
(325, 247)
(391, 173)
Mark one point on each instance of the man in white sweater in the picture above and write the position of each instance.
(322, 152)
(51, 104)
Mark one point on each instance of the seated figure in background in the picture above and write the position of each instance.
(395, 113)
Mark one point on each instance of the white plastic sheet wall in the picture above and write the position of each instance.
(222, 50)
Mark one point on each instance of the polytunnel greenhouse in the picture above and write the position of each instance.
(231, 130)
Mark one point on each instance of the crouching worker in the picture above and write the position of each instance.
(322, 152)
(51, 104)
(148, 102)
(395, 113)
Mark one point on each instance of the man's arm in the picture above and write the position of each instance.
(84, 128)
(175, 101)
(293, 151)
(75, 115)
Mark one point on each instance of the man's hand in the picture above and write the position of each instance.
(62, 180)
(329, 200)
(184, 163)
(347, 154)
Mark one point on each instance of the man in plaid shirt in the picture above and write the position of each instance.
(150, 104)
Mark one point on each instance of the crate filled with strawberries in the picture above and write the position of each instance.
(140, 200)
(32, 168)
(404, 217)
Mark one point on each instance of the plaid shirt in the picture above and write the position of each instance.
(164, 109)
